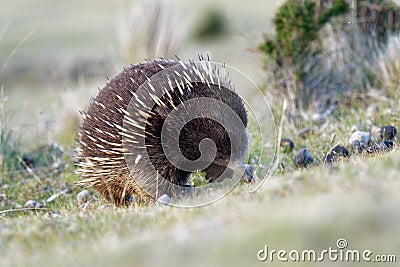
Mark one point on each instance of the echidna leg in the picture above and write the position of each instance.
(182, 178)
(216, 172)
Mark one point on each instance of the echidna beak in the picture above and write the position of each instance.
(247, 176)
(244, 174)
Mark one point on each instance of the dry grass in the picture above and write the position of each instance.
(9, 147)
(301, 210)
(389, 67)
(151, 29)
(348, 66)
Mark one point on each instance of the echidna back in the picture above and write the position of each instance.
(100, 151)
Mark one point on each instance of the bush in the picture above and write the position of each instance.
(296, 27)
(321, 54)
(151, 29)
(9, 149)
(214, 24)
(388, 68)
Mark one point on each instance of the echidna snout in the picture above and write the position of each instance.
(154, 124)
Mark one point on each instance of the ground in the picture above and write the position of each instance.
(312, 208)
(305, 209)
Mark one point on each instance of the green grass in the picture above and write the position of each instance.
(295, 209)
(304, 209)
(9, 147)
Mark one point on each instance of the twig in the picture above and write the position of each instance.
(29, 170)
(22, 209)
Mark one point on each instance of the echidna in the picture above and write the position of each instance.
(155, 123)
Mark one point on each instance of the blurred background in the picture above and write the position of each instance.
(55, 54)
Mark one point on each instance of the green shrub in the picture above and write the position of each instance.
(213, 24)
(323, 54)
(9, 149)
(296, 26)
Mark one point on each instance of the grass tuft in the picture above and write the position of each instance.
(9, 147)
(388, 67)
(150, 29)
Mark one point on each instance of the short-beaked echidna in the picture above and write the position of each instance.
(155, 123)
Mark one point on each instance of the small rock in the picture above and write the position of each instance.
(363, 137)
(357, 147)
(54, 214)
(306, 132)
(3, 197)
(67, 189)
(303, 158)
(47, 189)
(335, 153)
(30, 204)
(164, 199)
(380, 147)
(388, 132)
(83, 197)
(286, 145)
(389, 144)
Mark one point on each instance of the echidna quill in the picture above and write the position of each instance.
(155, 123)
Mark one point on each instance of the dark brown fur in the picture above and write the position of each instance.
(101, 140)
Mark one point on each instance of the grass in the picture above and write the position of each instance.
(52, 22)
(389, 67)
(161, 32)
(303, 209)
(341, 62)
(295, 209)
(8, 145)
